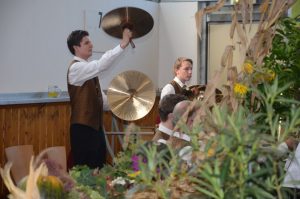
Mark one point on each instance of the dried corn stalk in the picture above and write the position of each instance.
(32, 191)
(258, 48)
(199, 15)
(261, 43)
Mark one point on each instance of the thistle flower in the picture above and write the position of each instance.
(240, 89)
(210, 152)
(269, 75)
(248, 67)
(135, 162)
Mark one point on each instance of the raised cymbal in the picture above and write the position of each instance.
(139, 21)
(131, 95)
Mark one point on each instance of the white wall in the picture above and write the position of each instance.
(218, 39)
(177, 38)
(34, 53)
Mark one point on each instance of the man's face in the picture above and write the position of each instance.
(85, 49)
(184, 73)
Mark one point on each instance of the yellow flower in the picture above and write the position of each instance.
(240, 89)
(269, 75)
(210, 152)
(133, 175)
(248, 67)
(257, 78)
(173, 175)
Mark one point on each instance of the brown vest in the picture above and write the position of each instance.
(86, 103)
(179, 90)
(177, 87)
(177, 143)
(160, 135)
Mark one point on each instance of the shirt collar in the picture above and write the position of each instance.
(182, 136)
(164, 129)
(177, 80)
(168, 131)
(162, 141)
(79, 59)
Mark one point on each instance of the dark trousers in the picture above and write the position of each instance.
(88, 146)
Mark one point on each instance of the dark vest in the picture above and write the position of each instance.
(178, 143)
(179, 90)
(177, 87)
(160, 135)
(86, 103)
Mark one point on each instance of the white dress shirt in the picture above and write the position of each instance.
(169, 89)
(81, 71)
(182, 136)
(164, 129)
(170, 132)
(292, 166)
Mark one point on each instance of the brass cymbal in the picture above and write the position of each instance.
(131, 95)
(137, 20)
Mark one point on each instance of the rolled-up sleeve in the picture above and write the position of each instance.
(82, 71)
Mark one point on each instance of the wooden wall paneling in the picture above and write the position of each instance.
(23, 129)
(23, 124)
(41, 128)
(14, 125)
(52, 120)
(39, 131)
(2, 119)
(54, 123)
(61, 133)
(29, 133)
(107, 121)
(68, 126)
(11, 134)
(64, 118)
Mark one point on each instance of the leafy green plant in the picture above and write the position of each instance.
(284, 57)
(89, 182)
(157, 164)
(247, 163)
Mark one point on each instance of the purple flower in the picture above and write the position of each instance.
(135, 162)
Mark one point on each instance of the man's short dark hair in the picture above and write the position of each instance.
(167, 104)
(75, 38)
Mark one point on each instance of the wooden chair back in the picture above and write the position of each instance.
(20, 156)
